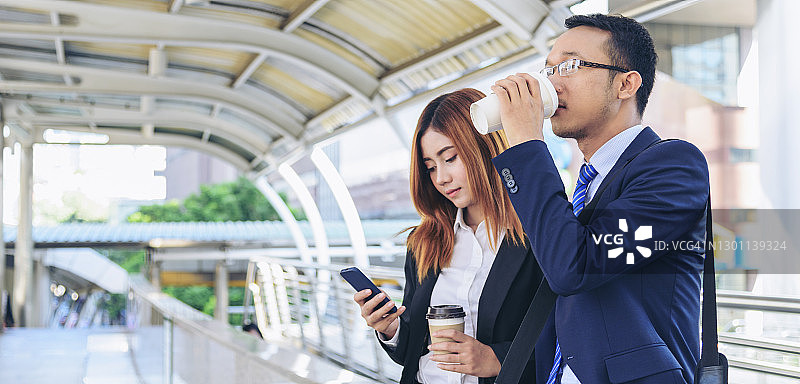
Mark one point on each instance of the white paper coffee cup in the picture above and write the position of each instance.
(485, 113)
(441, 317)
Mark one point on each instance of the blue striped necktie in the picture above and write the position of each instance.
(587, 174)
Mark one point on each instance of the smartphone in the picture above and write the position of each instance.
(360, 282)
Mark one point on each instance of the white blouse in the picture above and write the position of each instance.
(461, 283)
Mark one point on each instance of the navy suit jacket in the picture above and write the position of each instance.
(510, 286)
(618, 322)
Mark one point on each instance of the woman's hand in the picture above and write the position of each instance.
(473, 357)
(379, 319)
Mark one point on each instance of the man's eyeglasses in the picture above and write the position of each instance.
(571, 66)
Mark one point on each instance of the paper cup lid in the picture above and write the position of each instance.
(445, 312)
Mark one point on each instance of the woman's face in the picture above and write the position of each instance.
(446, 169)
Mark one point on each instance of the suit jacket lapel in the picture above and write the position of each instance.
(506, 264)
(419, 326)
(646, 137)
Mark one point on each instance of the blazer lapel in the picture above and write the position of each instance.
(419, 326)
(506, 264)
(646, 137)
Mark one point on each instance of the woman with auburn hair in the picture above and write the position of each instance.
(468, 250)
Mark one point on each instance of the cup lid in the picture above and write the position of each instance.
(447, 311)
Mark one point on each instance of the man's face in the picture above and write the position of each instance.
(584, 97)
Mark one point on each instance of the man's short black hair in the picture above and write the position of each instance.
(629, 47)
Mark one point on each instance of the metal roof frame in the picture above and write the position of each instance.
(300, 77)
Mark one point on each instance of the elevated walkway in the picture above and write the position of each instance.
(88, 265)
(87, 356)
(167, 342)
(177, 344)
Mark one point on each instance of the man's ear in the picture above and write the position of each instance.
(629, 85)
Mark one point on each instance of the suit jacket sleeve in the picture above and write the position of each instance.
(398, 354)
(666, 187)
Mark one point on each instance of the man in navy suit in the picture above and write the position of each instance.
(627, 311)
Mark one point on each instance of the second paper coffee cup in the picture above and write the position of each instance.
(485, 113)
(442, 317)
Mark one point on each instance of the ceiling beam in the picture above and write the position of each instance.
(252, 141)
(156, 67)
(178, 141)
(301, 14)
(494, 70)
(317, 120)
(119, 137)
(181, 30)
(647, 12)
(519, 17)
(101, 81)
(61, 57)
(245, 75)
(476, 37)
(174, 6)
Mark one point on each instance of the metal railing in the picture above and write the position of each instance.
(314, 306)
(174, 343)
(770, 355)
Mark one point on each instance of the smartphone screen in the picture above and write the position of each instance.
(360, 282)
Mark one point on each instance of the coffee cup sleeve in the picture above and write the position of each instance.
(391, 343)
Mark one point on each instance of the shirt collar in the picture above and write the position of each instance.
(460, 221)
(608, 154)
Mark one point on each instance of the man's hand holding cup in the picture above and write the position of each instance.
(519, 104)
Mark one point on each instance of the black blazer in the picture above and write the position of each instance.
(510, 286)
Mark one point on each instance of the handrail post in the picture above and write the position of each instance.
(314, 283)
(297, 303)
(341, 315)
(168, 350)
(249, 278)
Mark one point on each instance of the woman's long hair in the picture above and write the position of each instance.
(432, 241)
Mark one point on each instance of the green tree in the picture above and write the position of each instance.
(235, 201)
(197, 297)
(132, 260)
(170, 211)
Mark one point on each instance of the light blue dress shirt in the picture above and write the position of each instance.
(608, 154)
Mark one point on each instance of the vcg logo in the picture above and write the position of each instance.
(642, 233)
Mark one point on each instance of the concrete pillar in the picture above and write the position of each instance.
(23, 252)
(779, 90)
(221, 292)
(155, 274)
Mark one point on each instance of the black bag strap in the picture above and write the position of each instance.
(532, 324)
(710, 353)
